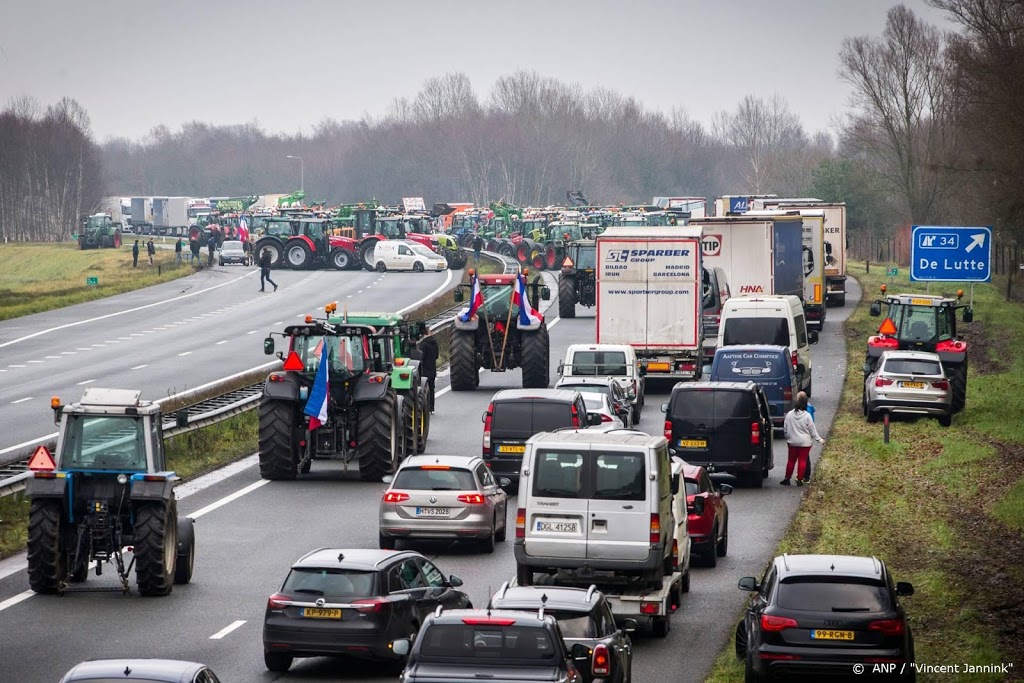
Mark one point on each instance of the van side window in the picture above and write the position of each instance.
(801, 331)
(620, 476)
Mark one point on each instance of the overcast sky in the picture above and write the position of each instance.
(134, 64)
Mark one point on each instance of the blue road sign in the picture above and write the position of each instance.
(950, 254)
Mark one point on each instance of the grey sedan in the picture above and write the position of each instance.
(150, 670)
(444, 497)
(232, 251)
(908, 382)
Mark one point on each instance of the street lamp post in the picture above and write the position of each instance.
(302, 173)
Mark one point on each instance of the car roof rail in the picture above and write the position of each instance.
(591, 591)
(877, 564)
(785, 561)
(503, 590)
(437, 612)
(312, 552)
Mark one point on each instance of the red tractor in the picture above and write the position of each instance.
(308, 244)
(921, 322)
(373, 225)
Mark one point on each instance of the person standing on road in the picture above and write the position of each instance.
(211, 246)
(800, 435)
(265, 270)
(135, 254)
(150, 250)
(428, 364)
(478, 244)
(194, 248)
(177, 252)
(247, 248)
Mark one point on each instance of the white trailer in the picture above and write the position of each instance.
(170, 215)
(649, 296)
(141, 219)
(735, 204)
(696, 206)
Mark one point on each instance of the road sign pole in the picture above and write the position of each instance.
(972, 295)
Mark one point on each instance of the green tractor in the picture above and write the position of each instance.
(578, 281)
(99, 231)
(376, 410)
(108, 490)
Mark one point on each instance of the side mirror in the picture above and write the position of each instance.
(968, 315)
(812, 336)
(903, 589)
(459, 295)
(268, 346)
(875, 310)
(749, 584)
(545, 293)
(504, 482)
(664, 407)
(401, 647)
(387, 478)
(629, 625)
(454, 581)
(675, 484)
(580, 652)
(697, 508)
(594, 419)
(725, 489)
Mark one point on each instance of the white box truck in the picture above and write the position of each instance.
(170, 215)
(735, 204)
(141, 218)
(649, 296)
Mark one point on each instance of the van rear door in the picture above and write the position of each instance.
(620, 516)
(734, 411)
(557, 511)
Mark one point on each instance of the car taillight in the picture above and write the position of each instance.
(755, 433)
(888, 627)
(605, 418)
(795, 361)
(668, 429)
(278, 601)
(787, 394)
(941, 384)
(601, 665)
(370, 605)
(575, 417)
(395, 497)
(471, 498)
(675, 554)
(882, 382)
(655, 527)
(521, 523)
(770, 623)
(487, 429)
(650, 607)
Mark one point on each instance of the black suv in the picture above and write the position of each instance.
(355, 603)
(585, 617)
(825, 617)
(514, 415)
(498, 645)
(721, 426)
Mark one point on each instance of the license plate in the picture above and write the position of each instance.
(912, 385)
(433, 512)
(562, 527)
(693, 443)
(921, 302)
(511, 449)
(321, 613)
(659, 367)
(823, 634)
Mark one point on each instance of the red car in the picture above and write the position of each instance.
(708, 515)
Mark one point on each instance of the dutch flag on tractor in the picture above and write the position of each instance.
(528, 315)
(476, 300)
(316, 405)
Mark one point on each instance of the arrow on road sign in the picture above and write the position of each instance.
(976, 241)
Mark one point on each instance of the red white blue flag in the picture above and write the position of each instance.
(476, 300)
(316, 405)
(528, 315)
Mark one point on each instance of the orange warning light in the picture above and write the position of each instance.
(887, 327)
(42, 461)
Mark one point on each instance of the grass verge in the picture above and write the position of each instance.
(942, 507)
(44, 277)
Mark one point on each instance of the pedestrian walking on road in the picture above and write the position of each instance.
(478, 244)
(211, 246)
(265, 271)
(428, 364)
(150, 250)
(194, 250)
(135, 254)
(800, 435)
(177, 252)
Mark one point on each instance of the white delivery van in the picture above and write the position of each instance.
(777, 320)
(405, 255)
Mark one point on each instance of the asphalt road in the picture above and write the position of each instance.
(246, 543)
(171, 337)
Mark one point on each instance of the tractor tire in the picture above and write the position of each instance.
(156, 547)
(274, 247)
(958, 383)
(277, 442)
(186, 550)
(422, 420)
(47, 561)
(410, 434)
(366, 254)
(535, 359)
(342, 259)
(298, 255)
(551, 259)
(567, 297)
(456, 259)
(465, 374)
(379, 440)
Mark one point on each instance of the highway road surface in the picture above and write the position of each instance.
(249, 531)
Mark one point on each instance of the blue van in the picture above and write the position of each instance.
(770, 367)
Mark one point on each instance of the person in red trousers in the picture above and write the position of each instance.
(800, 435)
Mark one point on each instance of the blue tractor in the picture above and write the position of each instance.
(109, 495)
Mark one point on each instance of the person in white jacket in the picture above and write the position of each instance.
(800, 435)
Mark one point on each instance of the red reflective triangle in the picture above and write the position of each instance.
(42, 461)
(294, 363)
(888, 327)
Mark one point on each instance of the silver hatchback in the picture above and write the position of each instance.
(444, 497)
(908, 382)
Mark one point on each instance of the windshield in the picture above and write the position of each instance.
(774, 331)
(231, 245)
(100, 442)
(497, 299)
(346, 354)
(389, 229)
(599, 363)
(98, 221)
(434, 479)
(586, 257)
(504, 644)
(742, 365)
(422, 251)
(332, 582)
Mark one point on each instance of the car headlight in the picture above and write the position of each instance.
(122, 479)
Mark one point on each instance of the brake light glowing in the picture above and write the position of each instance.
(601, 665)
(668, 429)
(771, 623)
(941, 384)
(575, 417)
(370, 605)
(883, 382)
(649, 608)
(521, 523)
(435, 467)
(755, 433)
(655, 527)
(888, 627)
(487, 430)
(395, 497)
(487, 621)
(471, 499)
(278, 601)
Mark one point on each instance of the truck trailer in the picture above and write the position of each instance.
(141, 215)
(170, 216)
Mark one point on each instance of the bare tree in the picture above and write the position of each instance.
(766, 134)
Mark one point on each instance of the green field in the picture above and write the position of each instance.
(944, 508)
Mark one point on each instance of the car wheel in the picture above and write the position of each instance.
(945, 420)
(711, 553)
(276, 661)
(864, 402)
(381, 267)
(740, 640)
(488, 543)
(722, 547)
(500, 536)
(872, 416)
(417, 267)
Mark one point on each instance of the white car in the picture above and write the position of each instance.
(405, 255)
(607, 360)
(600, 404)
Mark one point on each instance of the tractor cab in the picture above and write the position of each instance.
(109, 431)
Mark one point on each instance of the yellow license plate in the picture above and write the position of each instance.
(511, 449)
(659, 367)
(321, 613)
(921, 302)
(823, 634)
(693, 443)
(912, 385)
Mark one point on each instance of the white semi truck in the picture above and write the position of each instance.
(649, 296)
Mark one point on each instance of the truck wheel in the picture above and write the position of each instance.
(535, 359)
(422, 420)
(298, 255)
(567, 297)
(410, 433)
(277, 442)
(47, 563)
(186, 550)
(156, 546)
(341, 259)
(366, 254)
(378, 440)
(840, 299)
(958, 382)
(464, 371)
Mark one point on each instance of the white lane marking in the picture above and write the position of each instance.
(146, 331)
(22, 400)
(184, 353)
(36, 361)
(225, 341)
(360, 291)
(139, 367)
(125, 338)
(128, 310)
(98, 345)
(4, 370)
(279, 322)
(301, 315)
(52, 357)
(82, 348)
(134, 334)
(88, 381)
(349, 296)
(554, 322)
(20, 597)
(67, 353)
(17, 366)
(227, 499)
(33, 442)
(254, 331)
(430, 296)
(227, 629)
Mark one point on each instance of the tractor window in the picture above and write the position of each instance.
(101, 442)
(919, 324)
(497, 300)
(586, 257)
(944, 331)
(346, 359)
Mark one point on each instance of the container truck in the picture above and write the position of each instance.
(649, 296)
(141, 219)
(735, 204)
(170, 215)
(760, 255)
